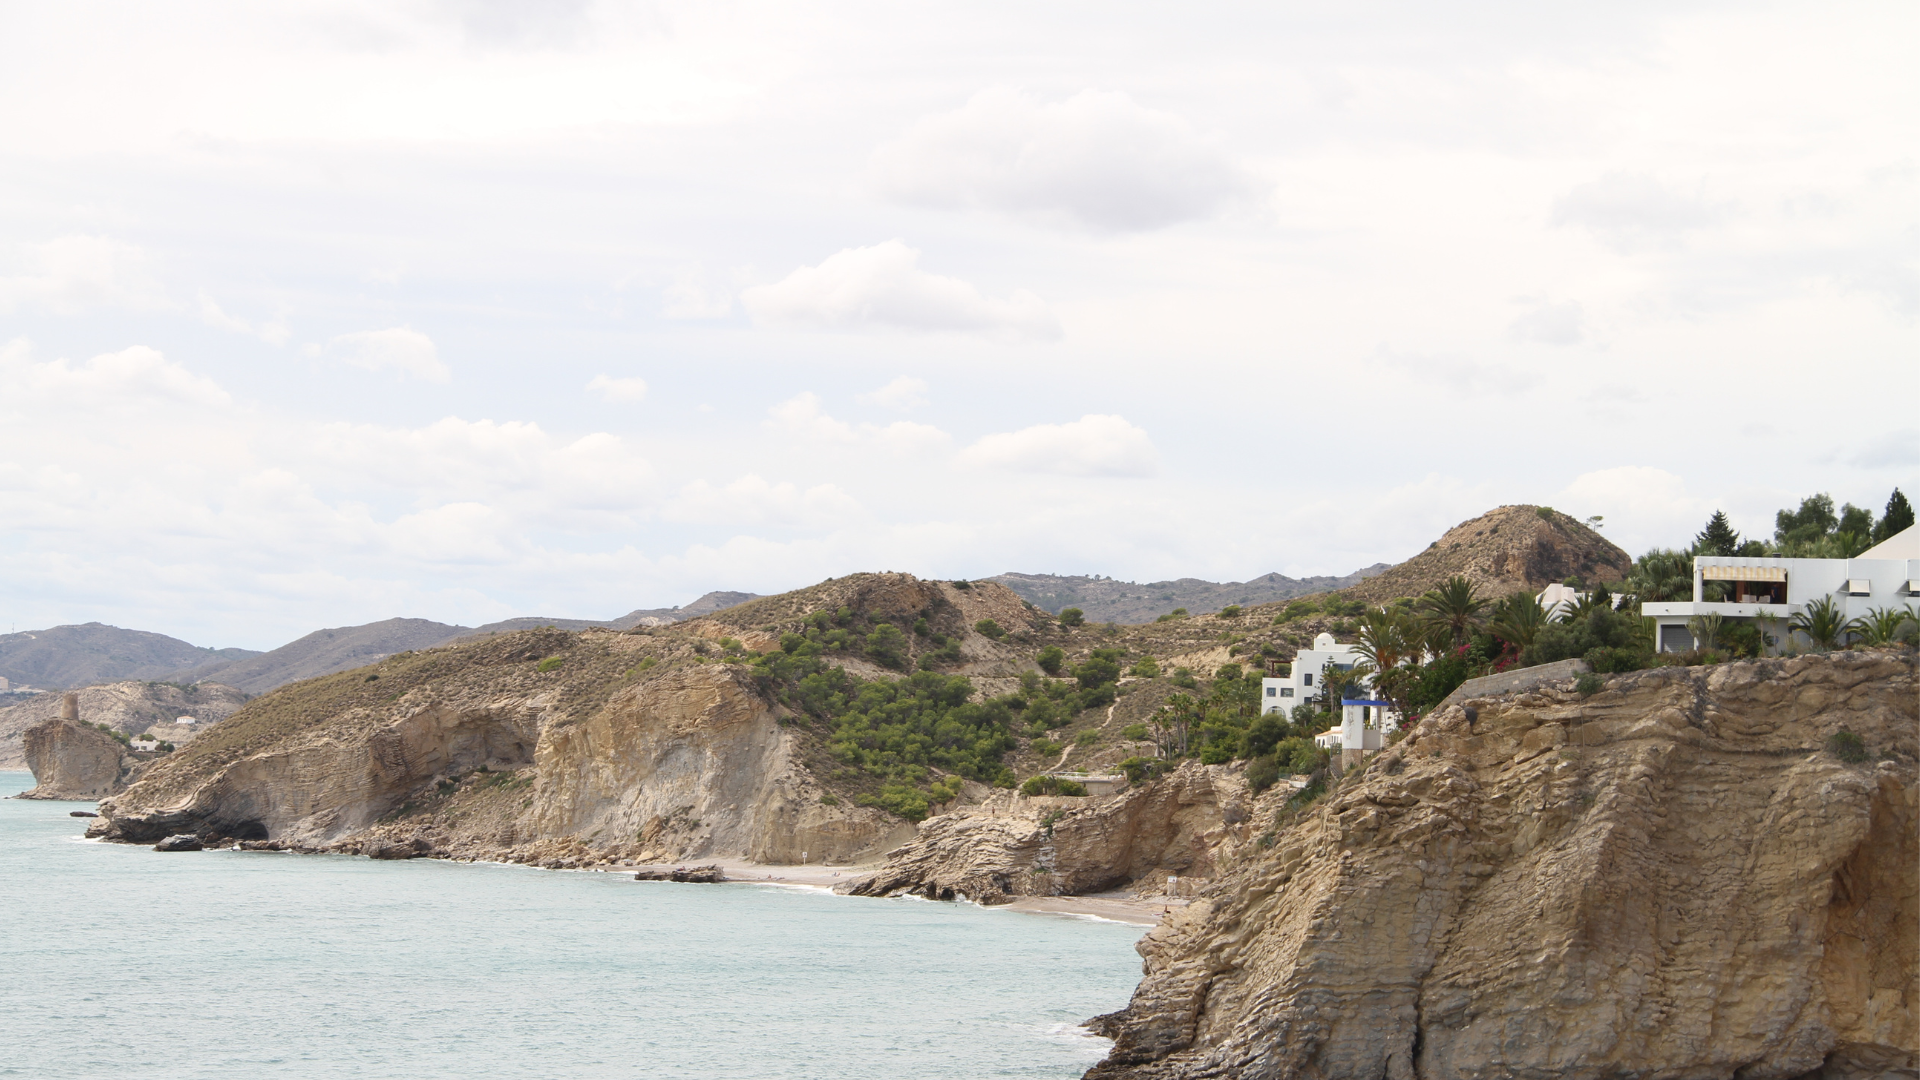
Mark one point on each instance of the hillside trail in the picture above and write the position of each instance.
(1067, 752)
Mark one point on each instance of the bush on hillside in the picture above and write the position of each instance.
(887, 646)
(1262, 773)
(989, 628)
(1072, 616)
(1052, 785)
(1051, 659)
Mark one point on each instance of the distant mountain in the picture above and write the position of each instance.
(326, 651)
(1107, 600)
(1504, 550)
(64, 657)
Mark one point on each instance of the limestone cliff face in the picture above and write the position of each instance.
(1009, 847)
(1676, 877)
(71, 761)
(541, 746)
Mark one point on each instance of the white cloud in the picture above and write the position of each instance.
(803, 417)
(693, 296)
(1643, 506)
(612, 389)
(75, 273)
(883, 285)
(138, 377)
(1096, 160)
(902, 394)
(751, 500)
(1549, 322)
(273, 333)
(401, 347)
(1632, 212)
(1089, 446)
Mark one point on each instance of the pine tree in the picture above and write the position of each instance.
(1718, 538)
(1899, 516)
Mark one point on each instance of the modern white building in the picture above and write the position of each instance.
(1559, 599)
(1771, 591)
(1281, 695)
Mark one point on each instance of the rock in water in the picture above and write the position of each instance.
(1675, 877)
(81, 813)
(695, 875)
(182, 842)
(72, 761)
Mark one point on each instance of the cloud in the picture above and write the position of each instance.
(1095, 161)
(1631, 212)
(1644, 506)
(401, 347)
(74, 273)
(1089, 446)
(1549, 323)
(802, 417)
(752, 500)
(138, 377)
(901, 394)
(693, 296)
(273, 333)
(613, 389)
(1456, 371)
(883, 285)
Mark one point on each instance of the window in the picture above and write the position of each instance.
(1286, 691)
(1859, 587)
(1273, 691)
(1307, 679)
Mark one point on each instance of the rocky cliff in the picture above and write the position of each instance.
(1012, 846)
(72, 761)
(543, 746)
(1707, 872)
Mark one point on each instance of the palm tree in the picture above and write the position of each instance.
(1455, 605)
(1823, 622)
(1884, 626)
(1661, 576)
(1705, 630)
(1385, 639)
(1518, 619)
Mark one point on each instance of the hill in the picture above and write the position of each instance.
(63, 657)
(324, 652)
(1502, 551)
(1106, 600)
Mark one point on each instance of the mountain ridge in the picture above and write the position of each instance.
(1103, 599)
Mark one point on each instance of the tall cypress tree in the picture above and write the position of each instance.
(1899, 516)
(1718, 538)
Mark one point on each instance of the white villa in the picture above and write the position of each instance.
(1772, 591)
(1281, 695)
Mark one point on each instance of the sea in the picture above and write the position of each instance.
(120, 961)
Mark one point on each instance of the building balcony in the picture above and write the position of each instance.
(1688, 609)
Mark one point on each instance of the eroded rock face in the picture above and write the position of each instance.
(1674, 878)
(72, 761)
(1175, 825)
(691, 762)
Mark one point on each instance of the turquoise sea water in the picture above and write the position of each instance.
(120, 961)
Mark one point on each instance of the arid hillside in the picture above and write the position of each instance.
(1106, 600)
(130, 707)
(1501, 551)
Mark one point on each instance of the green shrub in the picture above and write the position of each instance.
(1847, 746)
(963, 584)
(1138, 769)
(1183, 678)
(989, 628)
(1096, 670)
(1052, 785)
(1097, 697)
(1215, 754)
(1589, 685)
(1545, 512)
(1231, 611)
(1050, 659)
(1265, 733)
(829, 799)
(550, 663)
(899, 799)
(1072, 616)
(887, 646)
(1134, 732)
(1299, 609)
(1262, 773)
(1087, 738)
(1045, 748)
(1145, 668)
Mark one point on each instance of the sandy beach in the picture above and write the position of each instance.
(1118, 906)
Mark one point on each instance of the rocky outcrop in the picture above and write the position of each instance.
(129, 707)
(1014, 847)
(72, 761)
(545, 747)
(1685, 875)
(1501, 551)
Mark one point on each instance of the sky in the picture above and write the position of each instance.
(313, 314)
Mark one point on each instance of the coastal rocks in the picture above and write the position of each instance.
(389, 849)
(129, 707)
(182, 842)
(1690, 885)
(72, 761)
(81, 813)
(693, 875)
(1067, 847)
